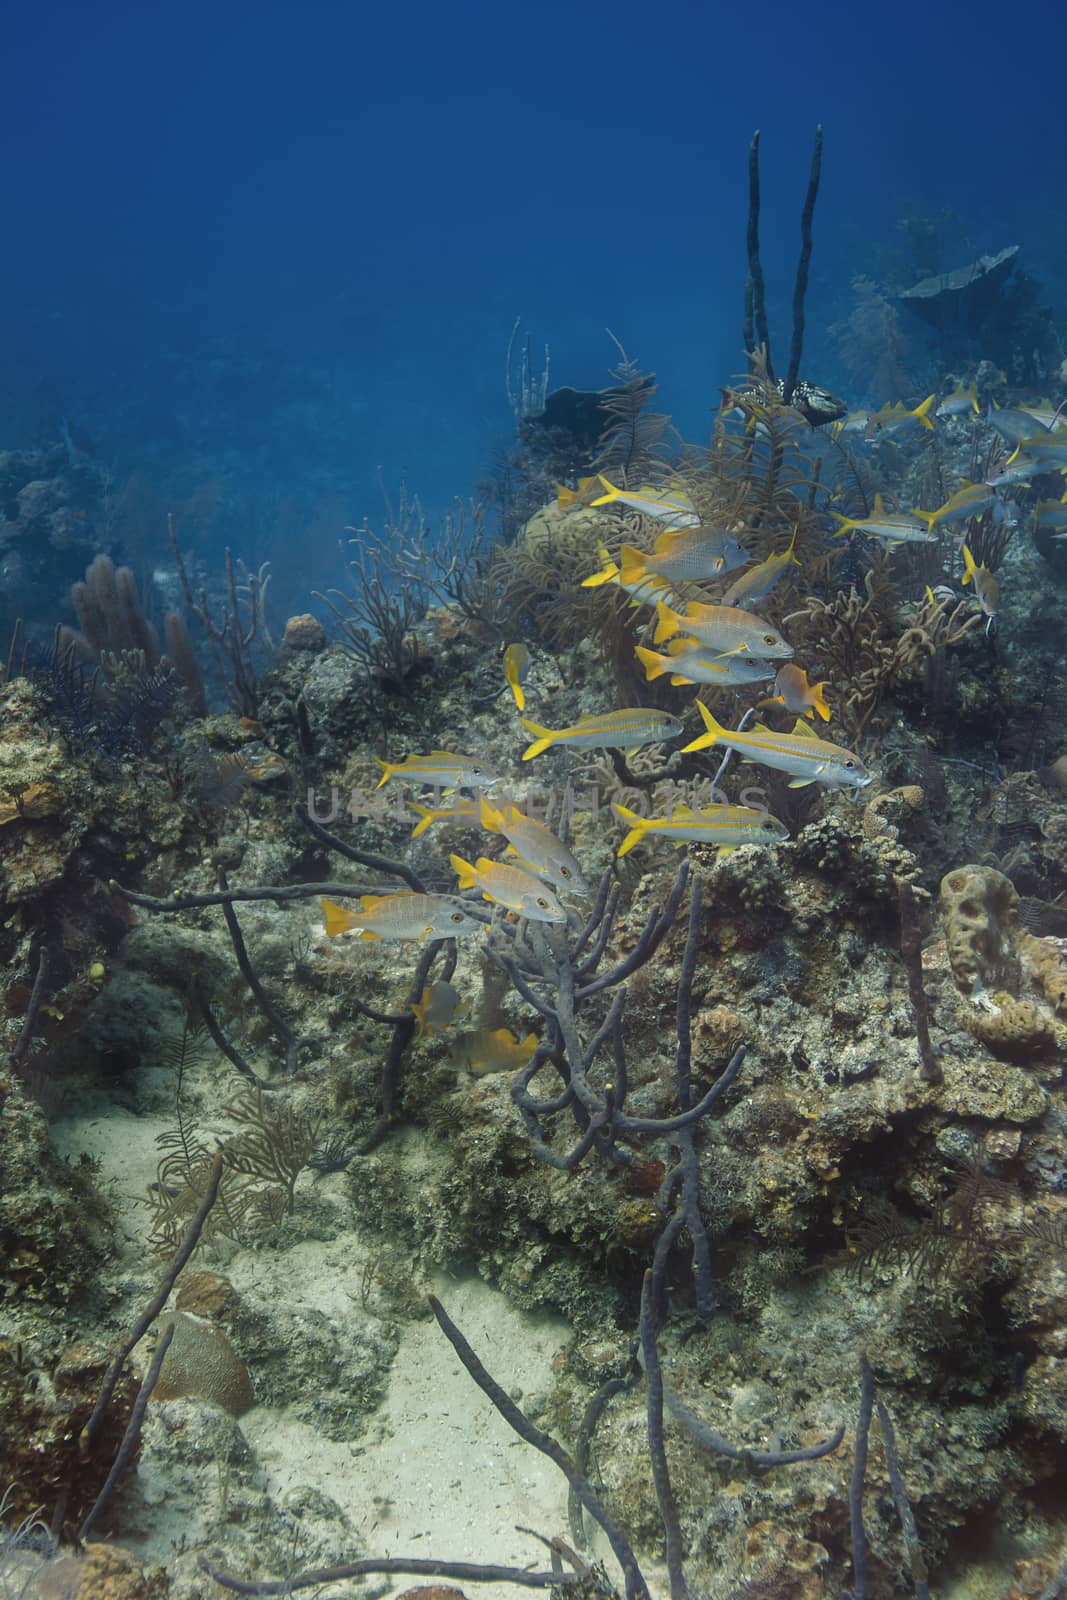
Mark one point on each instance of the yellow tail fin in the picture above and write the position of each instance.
(634, 565)
(489, 819)
(668, 622)
(712, 736)
(818, 700)
(636, 833)
(970, 567)
(608, 573)
(466, 874)
(337, 919)
(610, 494)
(388, 768)
(542, 738)
(426, 816)
(655, 665)
(922, 412)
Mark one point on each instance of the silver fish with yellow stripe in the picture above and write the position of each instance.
(441, 769)
(723, 827)
(619, 730)
(801, 753)
(671, 505)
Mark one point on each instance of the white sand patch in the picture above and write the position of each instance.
(440, 1473)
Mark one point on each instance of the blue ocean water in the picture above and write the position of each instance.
(258, 257)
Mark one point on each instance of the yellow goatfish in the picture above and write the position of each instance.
(797, 694)
(986, 586)
(672, 505)
(802, 753)
(757, 581)
(510, 887)
(687, 556)
(689, 661)
(535, 846)
(441, 769)
(516, 666)
(439, 1004)
(401, 916)
(724, 628)
(724, 827)
(493, 1050)
(461, 814)
(619, 730)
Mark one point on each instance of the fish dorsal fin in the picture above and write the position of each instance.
(761, 727)
(678, 647)
(683, 811)
(371, 902)
(803, 729)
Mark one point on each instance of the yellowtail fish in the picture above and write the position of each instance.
(802, 753)
(754, 584)
(724, 628)
(689, 556)
(493, 1050)
(986, 587)
(689, 661)
(535, 846)
(1019, 469)
(511, 887)
(460, 814)
(969, 500)
(794, 692)
(582, 496)
(894, 527)
(516, 666)
(1051, 513)
(439, 1004)
(441, 769)
(886, 421)
(1050, 450)
(646, 592)
(618, 730)
(401, 916)
(724, 827)
(666, 505)
(963, 398)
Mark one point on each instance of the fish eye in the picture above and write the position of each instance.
(849, 763)
(565, 872)
(768, 827)
(457, 916)
(769, 638)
